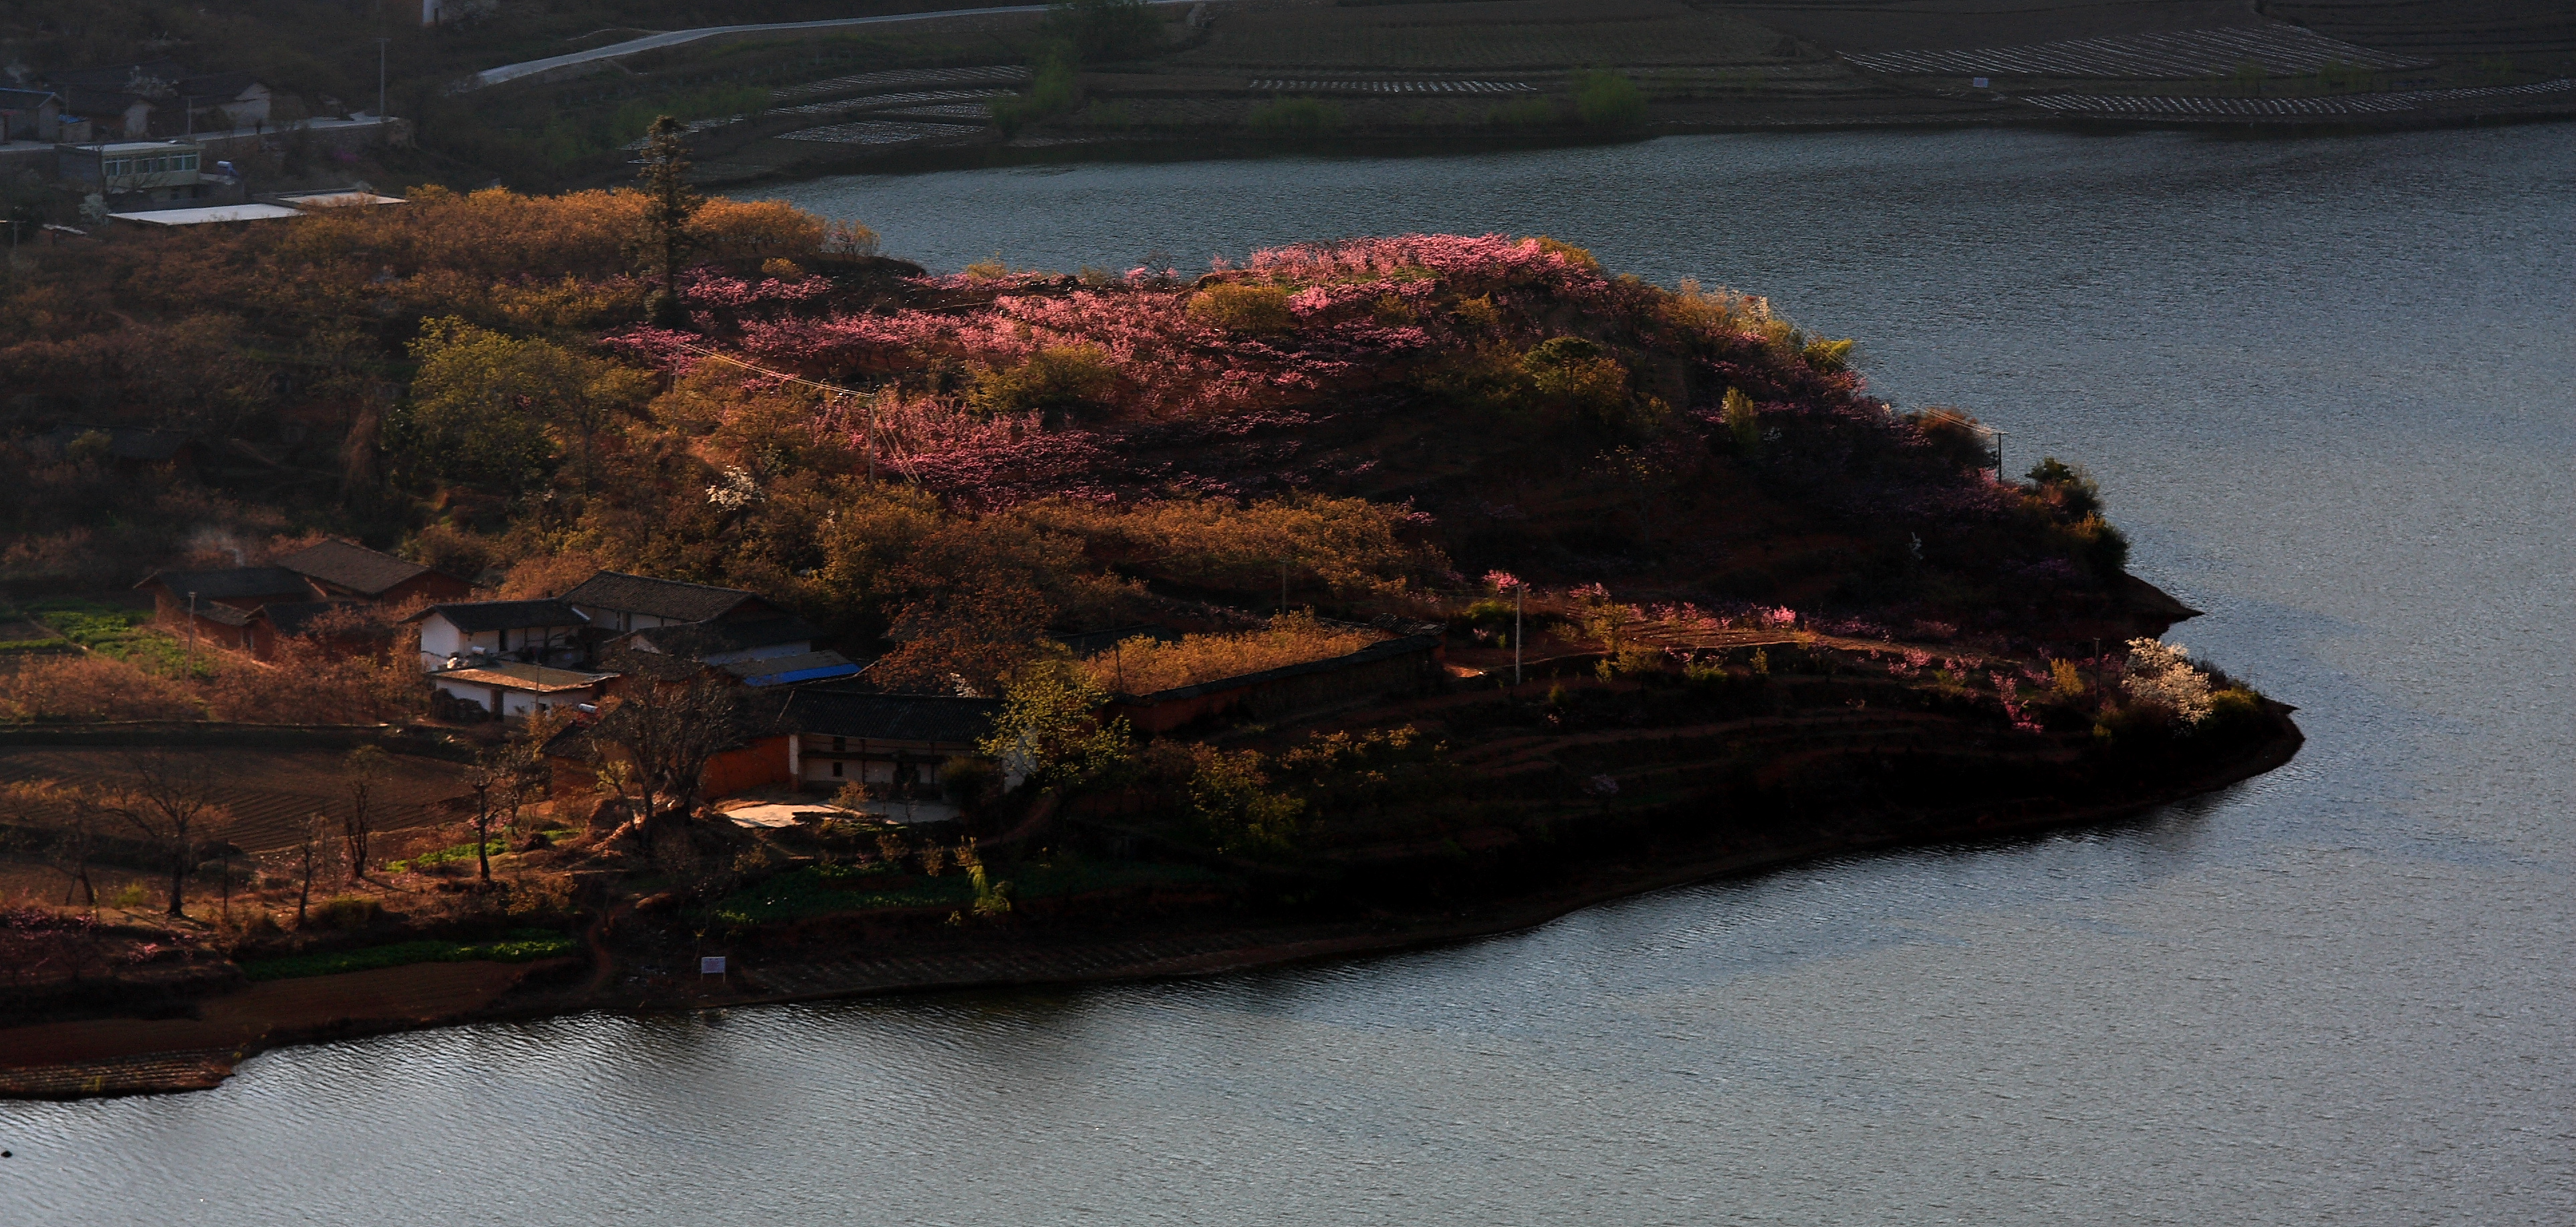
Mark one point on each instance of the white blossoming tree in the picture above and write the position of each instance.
(2162, 674)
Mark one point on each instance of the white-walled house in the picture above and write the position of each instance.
(487, 632)
(898, 743)
(512, 690)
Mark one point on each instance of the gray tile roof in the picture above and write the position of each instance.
(354, 567)
(298, 617)
(701, 639)
(474, 616)
(890, 717)
(660, 598)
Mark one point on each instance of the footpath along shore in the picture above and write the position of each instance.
(126, 1056)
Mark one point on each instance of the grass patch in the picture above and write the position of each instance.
(444, 856)
(524, 946)
(825, 890)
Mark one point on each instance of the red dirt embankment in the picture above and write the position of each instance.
(113, 1056)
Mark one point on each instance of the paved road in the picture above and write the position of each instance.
(673, 38)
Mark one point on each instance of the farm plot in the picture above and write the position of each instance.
(872, 102)
(1395, 87)
(2122, 106)
(266, 792)
(902, 79)
(1463, 38)
(878, 132)
(2280, 49)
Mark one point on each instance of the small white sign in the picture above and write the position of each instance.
(1977, 82)
(711, 965)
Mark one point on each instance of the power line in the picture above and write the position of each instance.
(832, 388)
(721, 356)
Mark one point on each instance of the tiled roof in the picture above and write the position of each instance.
(476, 616)
(233, 583)
(354, 567)
(660, 598)
(701, 639)
(297, 617)
(783, 670)
(655, 666)
(226, 615)
(890, 717)
(538, 678)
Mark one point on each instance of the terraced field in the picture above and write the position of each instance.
(2126, 106)
(2176, 55)
(1532, 34)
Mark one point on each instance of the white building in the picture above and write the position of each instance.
(512, 691)
(475, 633)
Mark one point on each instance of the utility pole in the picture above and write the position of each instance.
(1999, 456)
(380, 79)
(1518, 591)
(192, 632)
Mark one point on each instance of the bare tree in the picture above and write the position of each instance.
(362, 774)
(505, 777)
(310, 837)
(667, 736)
(72, 814)
(169, 799)
(483, 782)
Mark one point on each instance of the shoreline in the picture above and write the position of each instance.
(114, 1057)
(949, 158)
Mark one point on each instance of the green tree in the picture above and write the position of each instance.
(1099, 30)
(1605, 99)
(1055, 89)
(1231, 800)
(478, 408)
(1047, 728)
(669, 204)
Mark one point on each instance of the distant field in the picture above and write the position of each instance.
(1545, 34)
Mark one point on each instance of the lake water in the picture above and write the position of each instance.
(2327, 386)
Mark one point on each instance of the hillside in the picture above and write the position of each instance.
(466, 378)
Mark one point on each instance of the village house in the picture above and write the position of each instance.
(342, 568)
(616, 603)
(30, 115)
(162, 98)
(757, 652)
(512, 690)
(759, 760)
(222, 599)
(894, 742)
(476, 633)
(320, 622)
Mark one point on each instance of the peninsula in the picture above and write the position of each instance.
(535, 631)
